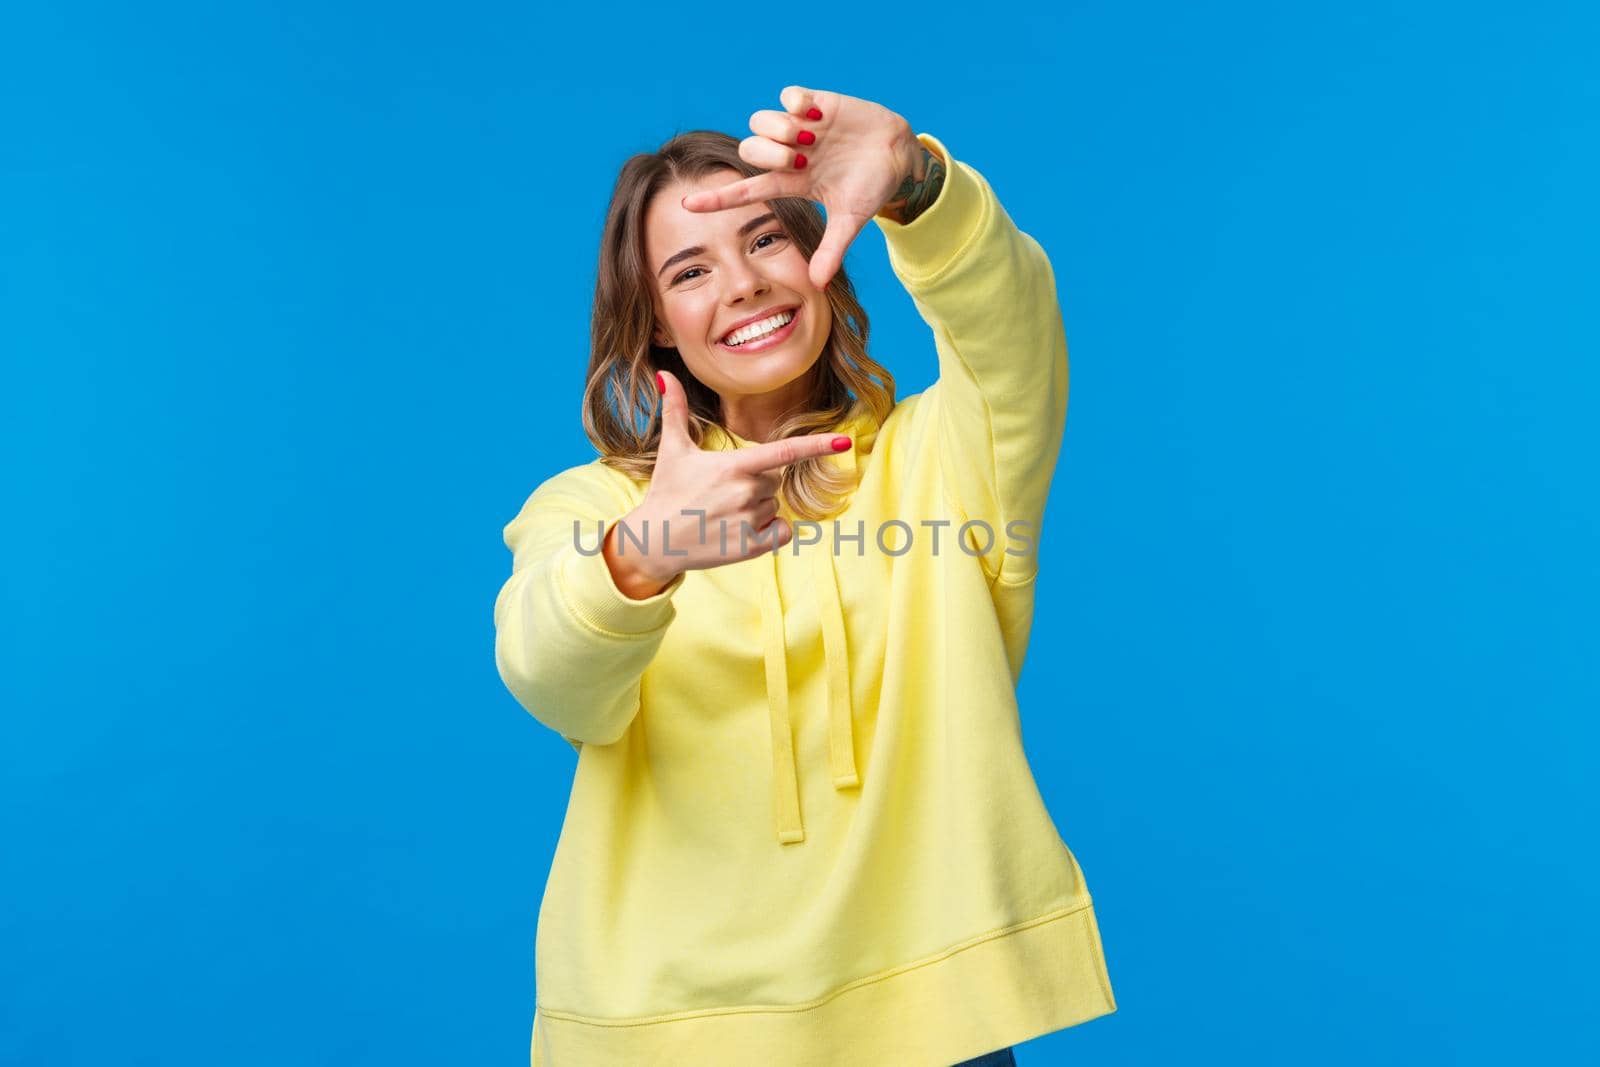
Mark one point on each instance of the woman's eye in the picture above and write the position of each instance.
(685, 276)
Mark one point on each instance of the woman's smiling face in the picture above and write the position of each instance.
(716, 269)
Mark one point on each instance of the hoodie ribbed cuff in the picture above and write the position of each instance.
(925, 246)
(591, 593)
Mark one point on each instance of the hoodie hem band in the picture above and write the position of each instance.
(1043, 975)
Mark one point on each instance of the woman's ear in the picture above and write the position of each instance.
(659, 338)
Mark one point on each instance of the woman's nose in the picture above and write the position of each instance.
(743, 281)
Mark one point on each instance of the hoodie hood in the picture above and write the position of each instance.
(824, 583)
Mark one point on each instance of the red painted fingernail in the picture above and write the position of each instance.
(661, 385)
(806, 137)
(799, 161)
(841, 443)
(813, 114)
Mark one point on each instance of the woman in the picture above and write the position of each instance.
(782, 623)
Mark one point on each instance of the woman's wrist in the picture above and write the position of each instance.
(630, 571)
(922, 176)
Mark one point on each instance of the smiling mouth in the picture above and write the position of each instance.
(766, 340)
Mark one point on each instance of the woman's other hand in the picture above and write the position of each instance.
(721, 506)
(848, 154)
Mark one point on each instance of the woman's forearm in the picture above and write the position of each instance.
(630, 580)
(923, 178)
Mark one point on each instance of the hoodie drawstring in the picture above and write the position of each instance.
(836, 654)
(785, 778)
(841, 723)
(836, 657)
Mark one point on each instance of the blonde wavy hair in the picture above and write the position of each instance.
(620, 401)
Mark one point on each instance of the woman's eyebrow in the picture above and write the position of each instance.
(699, 250)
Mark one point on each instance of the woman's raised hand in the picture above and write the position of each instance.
(722, 506)
(848, 154)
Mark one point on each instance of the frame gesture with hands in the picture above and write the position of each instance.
(850, 155)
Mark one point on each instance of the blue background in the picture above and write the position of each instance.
(293, 314)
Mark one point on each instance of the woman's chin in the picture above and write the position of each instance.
(751, 375)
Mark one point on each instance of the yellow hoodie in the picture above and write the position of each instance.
(802, 829)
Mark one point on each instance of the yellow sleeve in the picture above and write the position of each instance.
(570, 645)
(999, 406)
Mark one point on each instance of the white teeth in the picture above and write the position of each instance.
(758, 329)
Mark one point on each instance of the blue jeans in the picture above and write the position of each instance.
(1000, 1058)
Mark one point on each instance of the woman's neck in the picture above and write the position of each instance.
(754, 417)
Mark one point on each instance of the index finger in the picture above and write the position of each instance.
(770, 185)
(754, 459)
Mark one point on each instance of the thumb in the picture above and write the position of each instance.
(843, 227)
(674, 414)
